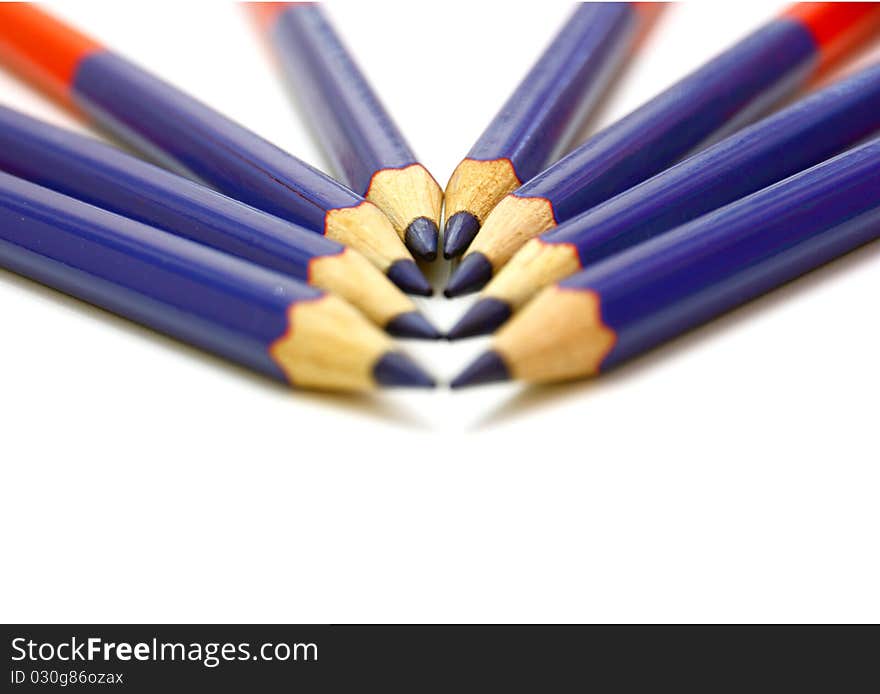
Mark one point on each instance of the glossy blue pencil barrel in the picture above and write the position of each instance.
(800, 136)
(260, 319)
(735, 88)
(189, 137)
(365, 146)
(101, 175)
(540, 120)
(644, 296)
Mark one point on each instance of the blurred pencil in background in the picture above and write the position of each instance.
(365, 146)
(193, 139)
(261, 319)
(101, 175)
(653, 292)
(544, 114)
(802, 135)
(734, 88)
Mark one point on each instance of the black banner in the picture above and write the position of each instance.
(318, 658)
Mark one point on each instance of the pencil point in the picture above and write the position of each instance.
(461, 228)
(481, 319)
(474, 272)
(489, 367)
(406, 275)
(421, 238)
(412, 324)
(396, 369)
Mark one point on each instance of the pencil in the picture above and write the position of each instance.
(802, 135)
(635, 300)
(363, 143)
(540, 120)
(183, 134)
(256, 317)
(104, 176)
(725, 94)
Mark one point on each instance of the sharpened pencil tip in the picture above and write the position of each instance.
(461, 228)
(489, 367)
(412, 324)
(473, 272)
(406, 275)
(481, 319)
(421, 238)
(396, 369)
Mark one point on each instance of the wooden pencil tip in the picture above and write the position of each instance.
(472, 274)
(421, 238)
(461, 228)
(481, 319)
(406, 275)
(489, 367)
(396, 369)
(412, 324)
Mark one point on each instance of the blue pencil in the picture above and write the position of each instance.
(540, 120)
(800, 136)
(653, 292)
(261, 319)
(104, 176)
(189, 137)
(734, 88)
(366, 148)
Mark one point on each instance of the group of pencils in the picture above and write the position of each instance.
(724, 186)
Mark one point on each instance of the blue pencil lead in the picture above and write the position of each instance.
(396, 369)
(473, 273)
(461, 228)
(481, 319)
(406, 275)
(412, 324)
(489, 367)
(421, 238)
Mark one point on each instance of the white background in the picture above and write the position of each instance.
(732, 475)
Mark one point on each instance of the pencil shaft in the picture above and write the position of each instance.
(355, 130)
(191, 292)
(261, 319)
(729, 91)
(779, 146)
(543, 115)
(187, 136)
(677, 281)
(193, 139)
(102, 175)
(637, 299)
(366, 149)
(172, 127)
